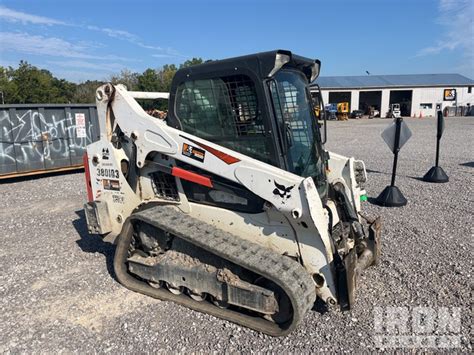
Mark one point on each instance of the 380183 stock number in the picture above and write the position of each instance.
(108, 173)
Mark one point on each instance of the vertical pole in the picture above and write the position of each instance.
(456, 102)
(436, 173)
(439, 132)
(437, 151)
(394, 169)
(396, 149)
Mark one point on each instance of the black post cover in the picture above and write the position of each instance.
(436, 173)
(391, 196)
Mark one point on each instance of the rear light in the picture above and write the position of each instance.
(85, 160)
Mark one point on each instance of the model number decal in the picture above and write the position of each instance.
(108, 173)
(193, 152)
(118, 199)
(109, 184)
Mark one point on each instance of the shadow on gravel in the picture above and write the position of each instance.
(416, 178)
(320, 307)
(40, 175)
(469, 164)
(375, 171)
(372, 201)
(93, 243)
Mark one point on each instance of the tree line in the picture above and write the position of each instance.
(28, 84)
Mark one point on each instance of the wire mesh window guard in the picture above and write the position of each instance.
(164, 186)
(225, 111)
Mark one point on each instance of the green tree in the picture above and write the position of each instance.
(191, 62)
(166, 75)
(29, 84)
(63, 90)
(148, 81)
(8, 87)
(34, 85)
(127, 78)
(84, 93)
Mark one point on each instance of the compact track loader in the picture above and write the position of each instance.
(231, 205)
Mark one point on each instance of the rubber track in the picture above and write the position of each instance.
(282, 270)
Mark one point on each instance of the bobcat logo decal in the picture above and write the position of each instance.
(282, 190)
(105, 153)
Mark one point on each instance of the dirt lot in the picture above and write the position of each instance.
(58, 292)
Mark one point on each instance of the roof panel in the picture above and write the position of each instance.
(407, 80)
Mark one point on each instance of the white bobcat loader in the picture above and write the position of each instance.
(231, 206)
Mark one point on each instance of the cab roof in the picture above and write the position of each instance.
(261, 64)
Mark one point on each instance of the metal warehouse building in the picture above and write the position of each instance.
(417, 94)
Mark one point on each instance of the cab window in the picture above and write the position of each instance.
(225, 111)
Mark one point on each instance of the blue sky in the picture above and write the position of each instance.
(80, 40)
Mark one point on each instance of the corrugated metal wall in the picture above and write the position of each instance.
(44, 137)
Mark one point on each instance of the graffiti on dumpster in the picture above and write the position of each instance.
(40, 140)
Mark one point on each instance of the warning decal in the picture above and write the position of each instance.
(80, 125)
(113, 185)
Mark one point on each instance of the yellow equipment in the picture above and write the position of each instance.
(343, 111)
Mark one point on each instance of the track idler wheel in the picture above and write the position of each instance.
(174, 290)
(219, 303)
(197, 296)
(155, 284)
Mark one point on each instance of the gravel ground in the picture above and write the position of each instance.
(58, 292)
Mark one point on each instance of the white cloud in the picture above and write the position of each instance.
(456, 19)
(162, 55)
(49, 46)
(120, 34)
(168, 53)
(36, 44)
(82, 64)
(123, 35)
(143, 45)
(18, 16)
(78, 76)
(74, 60)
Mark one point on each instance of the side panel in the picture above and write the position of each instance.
(109, 185)
(56, 148)
(269, 229)
(7, 151)
(27, 139)
(37, 138)
(79, 137)
(272, 230)
(341, 169)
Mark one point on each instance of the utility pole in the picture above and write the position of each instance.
(3, 101)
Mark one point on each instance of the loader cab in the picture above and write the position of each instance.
(259, 105)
